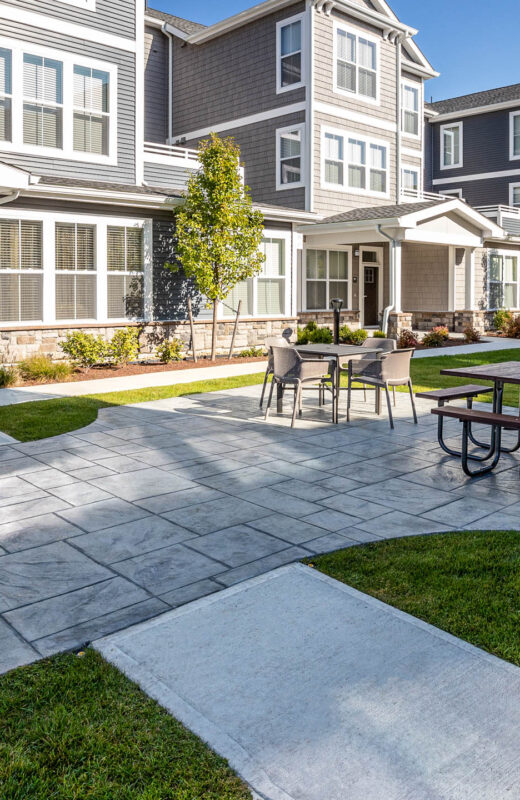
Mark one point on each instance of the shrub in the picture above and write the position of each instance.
(124, 346)
(252, 352)
(349, 336)
(379, 335)
(433, 339)
(40, 368)
(406, 339)
(8, 377)
(311, 334)
(513, 328)
(502, 319)
(442, 330)
(170, 350)
(85, 349)
(471, 335)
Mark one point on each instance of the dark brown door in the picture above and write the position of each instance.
(371, 296)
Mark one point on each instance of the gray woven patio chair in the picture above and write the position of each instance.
(386, 345)
(290, 369)
(276, 341)
(392, 369)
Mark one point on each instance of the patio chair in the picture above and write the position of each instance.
(273, 341)
(290, 369)
(392, 369)
(386, 345)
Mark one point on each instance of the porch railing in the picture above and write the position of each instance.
(499, 211)
(416, 194)
(166, 153)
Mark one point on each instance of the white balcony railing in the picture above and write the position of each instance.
(171, 154)
(499, 211)
(409, 195)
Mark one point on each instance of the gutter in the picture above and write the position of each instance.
(10, 198)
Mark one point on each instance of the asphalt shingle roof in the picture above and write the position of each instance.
(184, 25)
(382, 212)
(468, 101)
(103, 186)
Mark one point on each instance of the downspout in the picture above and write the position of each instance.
(170, 83)
(388, 310)
(10, 198)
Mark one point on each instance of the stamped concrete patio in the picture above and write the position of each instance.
(158, 504)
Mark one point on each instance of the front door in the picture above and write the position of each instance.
(371, 296)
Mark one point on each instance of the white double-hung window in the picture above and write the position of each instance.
(410, 104)
(6, 92)
(267, 294)
(503, 282)
(356, 64)
(76, 280)
(289, 157)
(410, 178)
(125, 266)
(42, 101)
(21, 270)
(56, 103)
(451, 145)
(353, 163)
(327, 276)
(290, 66)
(514, 135)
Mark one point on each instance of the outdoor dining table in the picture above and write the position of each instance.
(499, 374)
(338, 354)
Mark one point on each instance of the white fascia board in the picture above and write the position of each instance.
(470, 112)
(79, 195)
(289, 214)
(375, 17)
(16, 178)
(348, 225)
(153, 22)
(462, 210)
(422, 66)
(433, 237)
(481, 176)
(242, 122)
(169, 28)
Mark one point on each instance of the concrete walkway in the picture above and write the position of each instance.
(157, 504)
(314, 691)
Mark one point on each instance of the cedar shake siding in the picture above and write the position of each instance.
(425, 277)
(231, 76)
(155, 86)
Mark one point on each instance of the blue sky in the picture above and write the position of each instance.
(473, 43)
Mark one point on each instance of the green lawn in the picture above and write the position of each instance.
(41, 419)
(77, 729)
(467, 583)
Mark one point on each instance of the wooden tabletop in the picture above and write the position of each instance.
(336, 350)
(506, 372)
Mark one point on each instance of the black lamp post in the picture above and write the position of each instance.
(336, 304)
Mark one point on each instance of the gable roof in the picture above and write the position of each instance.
(382, 212)
(184, 25)
(477, 100)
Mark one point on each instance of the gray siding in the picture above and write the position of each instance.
(164, 175)
(229, 77)
(111, 16)
(492, 191)
(124, 170)
(258, 154)
(155, 86)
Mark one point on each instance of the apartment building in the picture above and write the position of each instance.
(102, 106)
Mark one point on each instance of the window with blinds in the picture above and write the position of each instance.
(21, 278)
(76, 281)
(91, 110)
(271, 281)
(6, 90)
(125, 265)
(42, 101)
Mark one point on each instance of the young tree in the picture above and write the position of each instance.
(218, 231)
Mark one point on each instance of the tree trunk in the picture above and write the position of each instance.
(214, 332)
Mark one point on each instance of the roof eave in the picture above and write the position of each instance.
(470, 112)
(79, 194)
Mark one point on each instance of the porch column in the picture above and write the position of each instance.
(469, 279)
(398, 273)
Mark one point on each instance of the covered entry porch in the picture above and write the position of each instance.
(395, 267)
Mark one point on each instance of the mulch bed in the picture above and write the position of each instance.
(449, 343)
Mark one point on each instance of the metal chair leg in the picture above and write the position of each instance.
(389, 404)
(349, 397)
(297, 392)
(395, 399)
(267, 410)
(412, 398)
(267, 373)
(365, 392)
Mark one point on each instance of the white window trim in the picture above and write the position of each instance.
(69, 60)
(411, 168)
(512, 187)
(460, 126)
(345, 189)
(280, 187)
(503, 253)
(357, 32)
(512, 156)
(419, 86)
(279, 25)
(48, 220)
(453, 193)
(328, 249)
(88, 5)
(226, 314)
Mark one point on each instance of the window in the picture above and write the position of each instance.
(21, 264)
(451, 146)
(327, 277)
(6, 90)
(91, 118)
(502, 281)
(290, 158)
(125, 264)
(42, 101)
(265, 295)
(514, 194)
(514, 146)
(453, 193)
(410, 179)
(355, 164)
(356, 64)
(76, 286)
(290, 67)
(410, 95)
